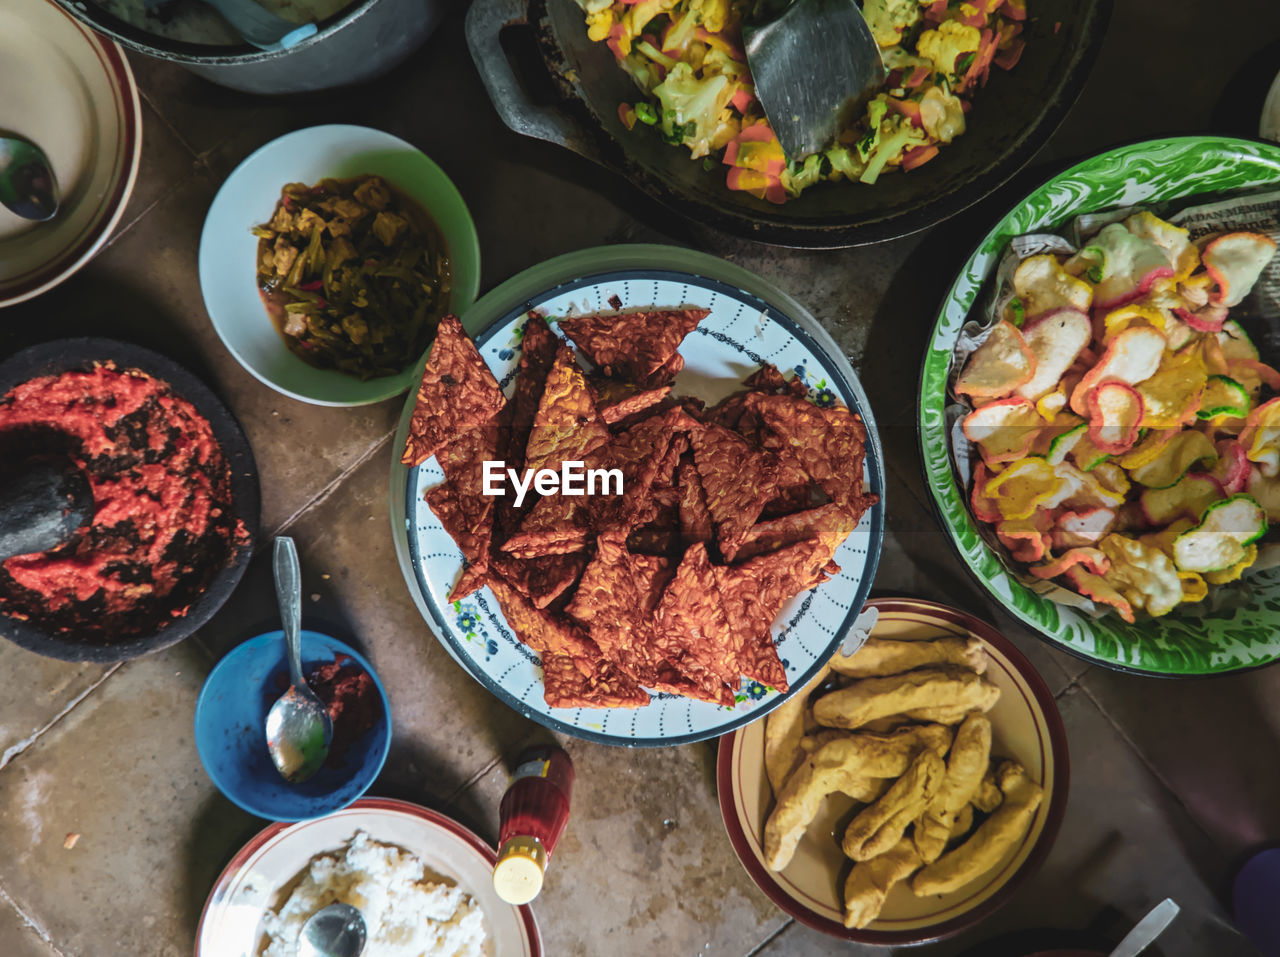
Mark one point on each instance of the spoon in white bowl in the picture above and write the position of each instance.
(299, 729)
(27, 183)
(334, 931)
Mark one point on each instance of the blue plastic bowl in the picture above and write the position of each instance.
(231, 713)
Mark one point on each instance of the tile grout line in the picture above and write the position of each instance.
(31, 923)
(470, 782)
(1146, 763)
(759, 948)
(17, 749)
(332, 487)
(165, 120)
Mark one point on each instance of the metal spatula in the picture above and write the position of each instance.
(814, 62)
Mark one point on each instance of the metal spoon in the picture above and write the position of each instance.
(1147, 930)
(299, 730)
(813, 62)
(334, 931)
(27, 184)
(260, 27)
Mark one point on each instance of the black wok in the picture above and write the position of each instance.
(1012, 117)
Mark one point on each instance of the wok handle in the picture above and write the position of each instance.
(486, 20)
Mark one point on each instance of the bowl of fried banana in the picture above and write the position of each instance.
(909, 789)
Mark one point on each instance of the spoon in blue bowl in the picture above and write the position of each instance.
(299, 729)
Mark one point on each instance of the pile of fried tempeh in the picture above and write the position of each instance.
(909, 740)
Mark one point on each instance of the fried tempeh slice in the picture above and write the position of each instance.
(632, 345)
(1007, 826)
(456, 394)
(967, 763)
(566, 426)
(889, 656)
(840, 766)
(872, 698)
(877, 828)
(737, 481)
(869, 883)
(783, 731)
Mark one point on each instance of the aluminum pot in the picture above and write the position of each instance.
(365, 40)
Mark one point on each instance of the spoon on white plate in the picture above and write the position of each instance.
(334, 931)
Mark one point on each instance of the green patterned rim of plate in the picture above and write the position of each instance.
(1150, 172)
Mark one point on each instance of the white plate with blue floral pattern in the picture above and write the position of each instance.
(750, 323)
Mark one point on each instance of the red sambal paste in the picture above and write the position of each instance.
(161, 485)
(352, 700)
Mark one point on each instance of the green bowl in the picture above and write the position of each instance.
(1177, 644)
(228, 250)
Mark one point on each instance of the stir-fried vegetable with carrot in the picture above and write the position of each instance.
(687, 59)
(354, 274)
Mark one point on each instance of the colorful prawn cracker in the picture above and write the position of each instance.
(457, 393)
(634, 345)
(1128, 461)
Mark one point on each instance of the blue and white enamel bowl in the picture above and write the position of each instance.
(750, 322)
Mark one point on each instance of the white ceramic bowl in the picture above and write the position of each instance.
(261, 873)
(248, 198)
(71, 92)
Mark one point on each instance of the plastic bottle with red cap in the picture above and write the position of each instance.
(534, 812)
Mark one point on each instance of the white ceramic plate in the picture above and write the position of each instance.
(228, 250)
(750, 323)
(71, 92)
(1026, 726)
(231, 925)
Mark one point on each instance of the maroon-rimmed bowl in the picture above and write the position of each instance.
(1026, 727)
(261, 874)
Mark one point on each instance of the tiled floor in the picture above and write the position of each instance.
(1171, 781)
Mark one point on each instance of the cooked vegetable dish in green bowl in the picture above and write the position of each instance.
(354, 274)
(329, 256)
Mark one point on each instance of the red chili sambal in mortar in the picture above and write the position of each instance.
(161, 485)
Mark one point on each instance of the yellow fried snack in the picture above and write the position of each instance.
(852, 764)
(782, 733)
(967, 763)
(954, 714)
(888, 754)
(875, 829)
(1001, 831)
(888, 656)
(870, 881)
(988, 797)
(963, 822)
(872, 698)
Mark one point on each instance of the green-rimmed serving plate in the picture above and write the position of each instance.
(1156, 171)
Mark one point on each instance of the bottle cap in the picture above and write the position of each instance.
(517, 877)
